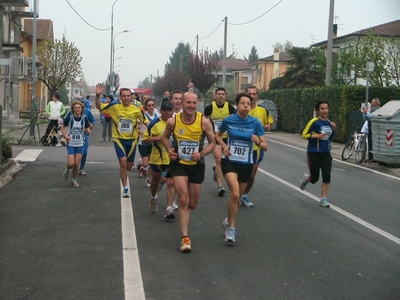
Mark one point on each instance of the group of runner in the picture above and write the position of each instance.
(173, 143)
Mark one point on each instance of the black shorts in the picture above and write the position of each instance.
(194, 172)
(144, 150)
(242, 170)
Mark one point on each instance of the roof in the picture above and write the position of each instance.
(384, 30)
(283, 57)
(235, 64)
(44, 28)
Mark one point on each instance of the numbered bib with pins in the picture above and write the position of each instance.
(187, 148)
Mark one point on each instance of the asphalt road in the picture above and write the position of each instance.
(59, 242)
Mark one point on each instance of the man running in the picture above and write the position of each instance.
(218, 110)
(187, 167)
(262, 114)
(125, 117)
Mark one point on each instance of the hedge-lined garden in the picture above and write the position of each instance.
(296, 106)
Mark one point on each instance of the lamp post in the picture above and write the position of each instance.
(112, 42)
(370, 68)
(112, 60)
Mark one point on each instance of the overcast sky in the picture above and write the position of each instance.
(157, 26)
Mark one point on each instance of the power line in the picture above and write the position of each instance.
(202, 38)
(85, 20)
(257, 17)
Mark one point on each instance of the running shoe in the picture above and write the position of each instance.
(304, 181)
(186, 244)
(74, 183)
(324, 202)
(245, 201)
(221, 191)
(82, 172)
(65, 175)
(126, 192)
(214, 175)
(153, 205)
(230, 237)
(225, 225)
(147, 183)
(175, 205)
(142, 172)
(133, 168)
(169, 213)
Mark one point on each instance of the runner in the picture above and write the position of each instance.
(187, 158)
(218, 110)
(77, 124)
(125, 118)
(159, 158)
(244, 131)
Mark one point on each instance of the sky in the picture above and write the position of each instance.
(157, 26)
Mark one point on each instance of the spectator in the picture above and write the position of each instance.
(375, 104)
(55, 109)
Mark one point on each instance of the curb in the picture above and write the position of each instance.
(8, 170)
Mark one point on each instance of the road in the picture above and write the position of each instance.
(59, 242)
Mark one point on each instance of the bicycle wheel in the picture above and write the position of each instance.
(45, 140)
(348, 150)
(360, 150)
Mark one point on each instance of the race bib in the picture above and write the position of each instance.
(187, 148)
(217, 125)
(76, 136)
(240, 150)
(125, 125)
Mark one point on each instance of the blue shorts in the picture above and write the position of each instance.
(125, 148)
(258, 156)
(159, 168)
(75, 150)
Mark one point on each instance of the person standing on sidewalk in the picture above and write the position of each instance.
(125, 118)
(77, 124)
(218, 110)
(319, 132)
(262, 114)
(375, 104)
(55, 110)
(244, 131)
(187, 166)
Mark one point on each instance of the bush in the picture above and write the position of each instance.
(6, 150)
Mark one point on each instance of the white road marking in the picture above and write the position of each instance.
(28, 155)
(335, 208)
(133, 281)
(341, 161)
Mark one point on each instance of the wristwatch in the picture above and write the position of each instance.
(202, 154)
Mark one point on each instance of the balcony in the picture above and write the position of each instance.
(24, 3)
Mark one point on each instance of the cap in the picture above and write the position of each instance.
(167, 105)
(132, 91)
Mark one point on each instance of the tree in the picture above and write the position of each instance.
(60, 63)
(179, 59)
(283, 47)
(202, 70)
(306, 69)
(253, 56)
(116, 83)
(172, 80)
(383, 52)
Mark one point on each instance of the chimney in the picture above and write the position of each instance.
(276, 53)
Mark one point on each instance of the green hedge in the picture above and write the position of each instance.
(296, 106)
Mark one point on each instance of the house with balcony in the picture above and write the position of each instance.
(13, 66)
(268, 68)
(386, 30)
(44, 31)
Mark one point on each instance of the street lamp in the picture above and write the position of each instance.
(112, 60)
(112, 41)
(369, 69)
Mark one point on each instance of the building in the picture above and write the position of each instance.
(236, 69)
(386, 30)
(13, 66)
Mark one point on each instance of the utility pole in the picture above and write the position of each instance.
(328, 75)
(225, 50)
(34, 71)
(197, 45)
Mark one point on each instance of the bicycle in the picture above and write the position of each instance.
(53, 138)
(357, 145)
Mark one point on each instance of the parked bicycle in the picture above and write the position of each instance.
(356, 146)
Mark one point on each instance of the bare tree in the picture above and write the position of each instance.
(60, 63)
(202, 70)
